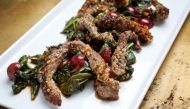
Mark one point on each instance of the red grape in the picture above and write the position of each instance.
(147, 22)
(106, 54)
(111, 14)
(77, 61)
(12, 69)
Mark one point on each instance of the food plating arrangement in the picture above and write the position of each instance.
(101, 41)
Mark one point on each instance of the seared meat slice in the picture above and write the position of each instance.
(121, 24)
(118, 59)
(134, 38)
(106, 87)
(153, 10)
(87, 23)
(49, 88)
(105, 92)
(161, 12)
(94, 7)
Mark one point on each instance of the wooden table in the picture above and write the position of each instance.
(171, 87)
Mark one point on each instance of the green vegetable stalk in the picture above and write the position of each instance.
(71, 29)
(61, 76)
(35, 86)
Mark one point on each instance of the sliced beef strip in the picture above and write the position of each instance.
(49, 88)
(155, 11)
(105, 92)
(87, 23)
(94, 7)
(121, 24)
(118, 59)
(161, 12)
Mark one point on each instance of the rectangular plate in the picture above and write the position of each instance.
(47, 32)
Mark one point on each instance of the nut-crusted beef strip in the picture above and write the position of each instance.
(161, 12)
(95, 7)
(118, 2)
(153, 10)
(121, 24)
(106, 87)
(105, 92)
(87, 23)
(49, 88)
(118, 59)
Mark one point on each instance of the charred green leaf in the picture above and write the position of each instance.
(71, 30)
(131, 59)
(61, 76)
(128, 74)
(74, 83)
(19, 83)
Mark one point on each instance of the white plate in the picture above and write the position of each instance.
(47, 33)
